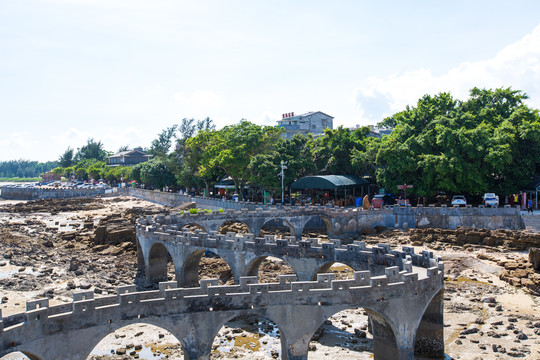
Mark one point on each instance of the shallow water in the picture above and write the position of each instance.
(145, 353)
(7, 270)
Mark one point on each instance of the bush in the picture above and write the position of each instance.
(193, 211)
(220, 210)
(208, 211)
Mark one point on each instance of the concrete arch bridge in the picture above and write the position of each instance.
(405, 308)
(338, 222)
(162, 236)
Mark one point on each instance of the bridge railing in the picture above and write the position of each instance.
(247, 292)
(381, 254)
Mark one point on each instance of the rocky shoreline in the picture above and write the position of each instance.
(51, 248)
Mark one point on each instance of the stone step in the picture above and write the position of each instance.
(531, 222)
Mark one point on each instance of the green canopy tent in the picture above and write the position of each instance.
(330, 182)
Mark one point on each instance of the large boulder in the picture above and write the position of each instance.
(534, 258)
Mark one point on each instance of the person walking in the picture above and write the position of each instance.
(530, 206)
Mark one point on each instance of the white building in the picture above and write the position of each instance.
(374, 131)
(311, 122)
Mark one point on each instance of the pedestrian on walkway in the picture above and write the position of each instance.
(530, 206)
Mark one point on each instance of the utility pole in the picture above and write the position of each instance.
(282, 173)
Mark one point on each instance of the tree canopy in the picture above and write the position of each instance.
(489, 143)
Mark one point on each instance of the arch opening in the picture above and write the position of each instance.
(340, 270)
(193, 227)
(277, 227)
(20, 355)
(317, 227)
(205, 264)
(429, 339)
(235, 226)
(346, 331)
(160, 265)
(268, 268)
(139, 340)
(247, 337)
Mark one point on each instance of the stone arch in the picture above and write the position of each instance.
(325, 268)
(326, 221)
(285, 222)
(229, 221)
(94, 342)
(194, 225)
(385, 344)
(158, 258)
(429, 338)
(341, 328)
(191, 267)
(260, 332)
(254, 265)
(19, 355)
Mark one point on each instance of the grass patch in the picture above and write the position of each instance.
(19, 179)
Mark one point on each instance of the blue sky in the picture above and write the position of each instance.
(120, 71)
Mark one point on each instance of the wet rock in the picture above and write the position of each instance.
(360, 333)
(534, 258)
(479, 321)
(85, 285)
(468, 331)
(488, 300)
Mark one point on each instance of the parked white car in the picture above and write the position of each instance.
(490, 199)
(459, 200)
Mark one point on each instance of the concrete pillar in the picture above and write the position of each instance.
(297, 324)
(385, 346)
(255, 230)
(430, 334)
(140, 256)
(198, 333)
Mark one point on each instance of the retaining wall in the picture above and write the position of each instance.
(175, 199)
(10, 193)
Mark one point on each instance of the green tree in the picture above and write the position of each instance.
(81, 173)
(95, 171)
(161, 146)
(155, 173)
(237, 144)
(66, 159)
(92, 150)
(58, 171)
(136, 173)
(332, 152)
(489, 143)
(296, 153)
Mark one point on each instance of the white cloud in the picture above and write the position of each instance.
(17, 145)
(129, 136)
(516, 66)
(72, 137)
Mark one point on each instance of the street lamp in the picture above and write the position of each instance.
(282, 173)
